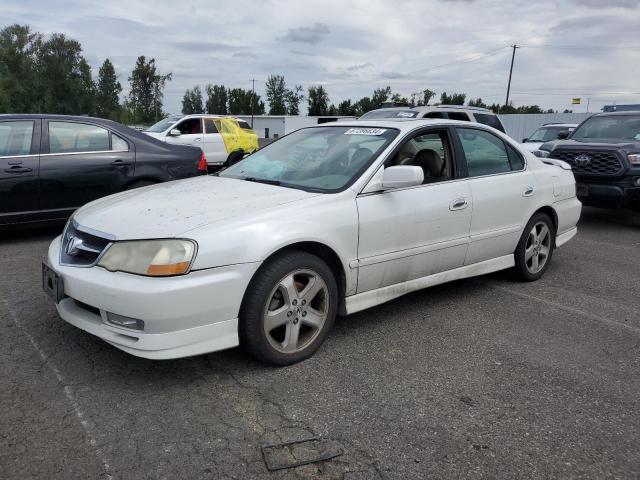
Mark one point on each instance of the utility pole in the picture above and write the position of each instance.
(253, 98)
(513, 56)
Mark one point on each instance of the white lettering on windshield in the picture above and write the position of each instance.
(365, 131)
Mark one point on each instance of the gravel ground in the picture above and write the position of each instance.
(482, 378)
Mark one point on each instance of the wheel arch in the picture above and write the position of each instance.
(551, 213)
(320, 250)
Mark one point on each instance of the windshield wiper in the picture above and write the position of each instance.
(262, 180)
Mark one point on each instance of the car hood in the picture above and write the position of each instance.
(174, 208)
(604, 144)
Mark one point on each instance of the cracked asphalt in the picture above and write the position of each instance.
(482, 378)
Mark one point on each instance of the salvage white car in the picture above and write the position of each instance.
(328, 220)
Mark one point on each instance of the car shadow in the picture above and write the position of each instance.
(625, 218)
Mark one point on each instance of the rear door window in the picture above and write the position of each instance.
(490, 120)
(463, 117)
(71, 137)
(15, 138)
(244, 125)
(486, 154)
(210, 126)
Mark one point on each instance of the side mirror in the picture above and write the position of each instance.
(402, 176)
(563, 134)
(174, 132)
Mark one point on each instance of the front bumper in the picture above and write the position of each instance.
(183, 316)
(608, 194)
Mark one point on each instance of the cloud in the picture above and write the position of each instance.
(361, 66)
(311, 35)
(200, 46)
(392, 75)
(244, 55)
(609, 3)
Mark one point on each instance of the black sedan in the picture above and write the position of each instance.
(52, 164)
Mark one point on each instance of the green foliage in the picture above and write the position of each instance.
(453, 99)
(108, 91)
(292, 99)
(241, 100)
(18, 75)
(217, 99)
(192, 101)
(146, 91)
(318, 101)
(345, 108)
(276, 91)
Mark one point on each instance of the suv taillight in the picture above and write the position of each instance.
(202, 164)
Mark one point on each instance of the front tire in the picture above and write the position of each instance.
(535, 248)
(288, 309)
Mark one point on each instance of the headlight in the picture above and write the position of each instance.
(634, 158)
(541, 153)
(156, 258)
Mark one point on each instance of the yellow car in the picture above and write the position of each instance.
(223, 139)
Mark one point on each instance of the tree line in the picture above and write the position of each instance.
(40, 74)
(49, 74)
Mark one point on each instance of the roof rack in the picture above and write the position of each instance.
(463, 107)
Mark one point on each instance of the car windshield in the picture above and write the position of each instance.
(390, 114)
(162, 125)
(546, 134)
(618, 127)
(323, 159)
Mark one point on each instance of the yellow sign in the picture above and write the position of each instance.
(575, 101)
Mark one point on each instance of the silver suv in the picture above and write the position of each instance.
(452, 112)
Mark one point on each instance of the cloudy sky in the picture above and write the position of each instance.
(570, 48)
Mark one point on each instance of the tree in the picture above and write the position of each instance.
(240, 101)
(346, 108)
(108, 90)
(453, 99)
(217, 99)
(477, 103)
(192, 101)
(146, 92)
(380, 96)
(276, 90)
(19, 92)
(292, 99)
(318, 101)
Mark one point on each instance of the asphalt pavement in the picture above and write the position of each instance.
(481, 378)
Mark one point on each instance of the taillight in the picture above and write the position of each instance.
(202, 164)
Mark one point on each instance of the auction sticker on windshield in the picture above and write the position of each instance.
(365, 131)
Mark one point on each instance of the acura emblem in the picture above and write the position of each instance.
(73, 245)
(582, 160)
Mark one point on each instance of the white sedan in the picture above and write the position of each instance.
(328, 220)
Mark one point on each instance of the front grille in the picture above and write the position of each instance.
(81, 248)
(591, 162)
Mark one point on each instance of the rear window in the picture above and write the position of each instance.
(490, 120)
(390, 114)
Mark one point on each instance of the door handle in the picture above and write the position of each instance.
(528, 191)
(119, 163)
(18, 169)
(458, 204)
(197, 139)
(15, 162)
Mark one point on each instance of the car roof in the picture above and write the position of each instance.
(402, 124)
(618, 114)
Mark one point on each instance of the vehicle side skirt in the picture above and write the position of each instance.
(364, 300)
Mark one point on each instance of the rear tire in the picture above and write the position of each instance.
(288, 309)
(535, 248)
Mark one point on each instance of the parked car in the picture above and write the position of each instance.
(451, 112)
(546, 133)
(604, 152)
(333, 218)
(224, 139)
(52, 164)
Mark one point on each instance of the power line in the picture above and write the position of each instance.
(582, 47)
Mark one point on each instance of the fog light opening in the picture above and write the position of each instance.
(126, 322)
